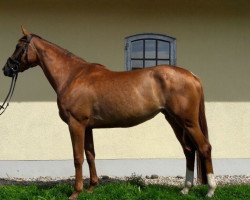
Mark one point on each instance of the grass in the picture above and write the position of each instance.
(130, 190)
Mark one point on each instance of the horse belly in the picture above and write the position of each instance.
(120, 121)
(124, 113)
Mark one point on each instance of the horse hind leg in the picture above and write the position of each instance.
(189, 151)
(90, 155)
(204, 151)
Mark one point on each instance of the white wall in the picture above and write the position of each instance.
(34, 131)
(212, 41)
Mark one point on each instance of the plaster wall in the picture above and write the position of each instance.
(34, 131)
(212, 41)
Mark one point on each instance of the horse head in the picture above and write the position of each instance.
(24, 56)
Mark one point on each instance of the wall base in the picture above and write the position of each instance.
(125, 167)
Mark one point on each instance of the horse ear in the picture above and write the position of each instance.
(25, 32)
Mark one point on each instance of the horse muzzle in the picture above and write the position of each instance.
(11, 68)
(7, 72)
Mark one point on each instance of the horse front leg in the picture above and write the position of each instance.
(90, 155)
(77, 133)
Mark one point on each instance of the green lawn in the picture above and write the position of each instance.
(120, 191)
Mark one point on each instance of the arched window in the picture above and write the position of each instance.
(145, 50)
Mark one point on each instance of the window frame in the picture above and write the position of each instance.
(149, 36)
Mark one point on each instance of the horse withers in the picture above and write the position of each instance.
(91, 96)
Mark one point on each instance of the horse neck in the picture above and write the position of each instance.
(59, 65)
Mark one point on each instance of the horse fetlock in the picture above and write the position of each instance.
(94, 182)
(211, 181)
(78, 186)
(188, 182)
(188, 186)
(189, 178)
(211, 185)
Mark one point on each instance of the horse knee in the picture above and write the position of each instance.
(78, 161)
(205, 151)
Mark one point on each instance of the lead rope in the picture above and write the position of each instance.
(3, 107)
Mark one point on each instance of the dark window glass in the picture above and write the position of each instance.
(147, 50)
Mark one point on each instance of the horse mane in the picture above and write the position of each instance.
(65, 51)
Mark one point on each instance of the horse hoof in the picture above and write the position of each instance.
(185, 191)
(210, 194)
(74, 196)
(90, 189)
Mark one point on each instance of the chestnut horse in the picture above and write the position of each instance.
(91, 96)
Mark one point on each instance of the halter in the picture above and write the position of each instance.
(14, 64)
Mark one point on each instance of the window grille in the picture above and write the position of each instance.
(146, 50)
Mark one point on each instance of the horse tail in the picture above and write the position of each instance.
(201, 167)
